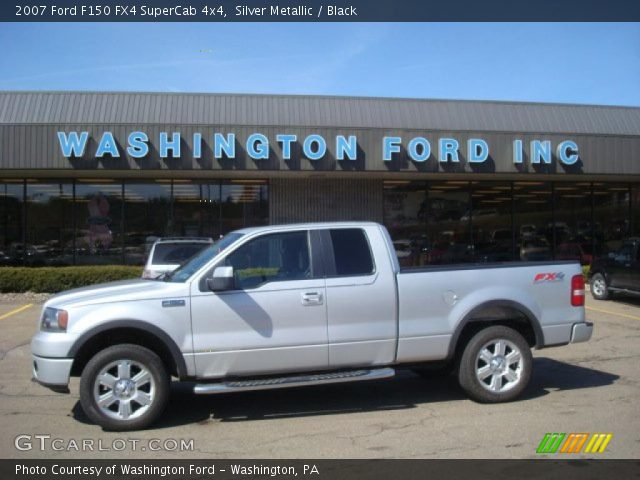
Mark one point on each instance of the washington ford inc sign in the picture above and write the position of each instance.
(314, 147)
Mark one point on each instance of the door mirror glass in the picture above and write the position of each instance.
(222, 279)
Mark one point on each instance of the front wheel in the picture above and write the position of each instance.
(599, 287)
(124, 387)
(496, 365)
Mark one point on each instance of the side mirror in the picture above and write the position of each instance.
(222, 279)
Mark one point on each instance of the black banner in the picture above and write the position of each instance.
(547, 469)
(319, 11)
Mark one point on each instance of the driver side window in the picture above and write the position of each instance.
(271, 258)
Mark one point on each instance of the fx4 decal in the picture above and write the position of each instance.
(548, 277)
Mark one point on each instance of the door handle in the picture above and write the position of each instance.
(311, 298)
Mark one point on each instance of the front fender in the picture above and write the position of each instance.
(171, 345)
(172, 325)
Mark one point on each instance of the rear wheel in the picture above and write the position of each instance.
(599, 287)
(124, 387)
(495, 365)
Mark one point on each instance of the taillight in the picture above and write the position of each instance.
(577, 290)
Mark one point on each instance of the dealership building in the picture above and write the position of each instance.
(95, 177)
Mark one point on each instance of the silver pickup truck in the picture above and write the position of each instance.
(295, 305)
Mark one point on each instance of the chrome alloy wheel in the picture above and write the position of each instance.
(499, 365)
(598, 286)
(124, 389)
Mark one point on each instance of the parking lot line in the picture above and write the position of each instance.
(16, 310)
(634, 317)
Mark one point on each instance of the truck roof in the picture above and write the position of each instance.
(309, 226)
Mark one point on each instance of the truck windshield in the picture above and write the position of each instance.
(184, 272)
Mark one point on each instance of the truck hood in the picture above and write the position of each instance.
(121, 291)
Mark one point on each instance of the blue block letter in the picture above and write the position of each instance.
(567, 152)
(413, 149)
(390, 145)
(72, 145)
(478, 150)
(448, 147)
(517, 151)
(228, 145)
(286, 141)
(348, 146)
(258, 146)
(173, 145)
(540, 151)
(138, 146)
(321, 148)
(107, 145)
(197, 145)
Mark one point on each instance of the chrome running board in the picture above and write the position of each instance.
(293, 381)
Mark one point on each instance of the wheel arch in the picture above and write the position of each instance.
(496, 312)
(600, 271)
(128, 331)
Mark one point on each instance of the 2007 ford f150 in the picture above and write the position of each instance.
(294, 305)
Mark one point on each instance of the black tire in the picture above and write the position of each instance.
(600, 287)
(156, 388)
(470, 366)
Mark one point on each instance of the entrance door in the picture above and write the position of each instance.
(274, 320)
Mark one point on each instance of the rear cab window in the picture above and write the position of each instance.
(351, 252)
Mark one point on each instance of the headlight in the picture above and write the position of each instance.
(54, 320)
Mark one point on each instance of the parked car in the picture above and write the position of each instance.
(479, 213)
(501, 235)
(580, 252)
(617, 272)
(169, 253)
(403, 248)
(527, 231)
(493, 252)
(535, 250)
(298, 305)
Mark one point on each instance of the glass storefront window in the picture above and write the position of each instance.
(49, 224)
(113, 222)
(98, 221)
(635, 210)
(491, 221)
(448, 223)
(196, 209)
(611, 212)
(574, 227)
(533, 220)
(147, 208)
(454, 221)
(405, 210)
(243, 203)
(11, 224)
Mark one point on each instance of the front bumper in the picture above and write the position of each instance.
(52, 373)
(581, 332)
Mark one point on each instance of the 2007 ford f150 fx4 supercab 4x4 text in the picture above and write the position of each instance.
(295, 305)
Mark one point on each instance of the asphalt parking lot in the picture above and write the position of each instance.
(590, 387)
